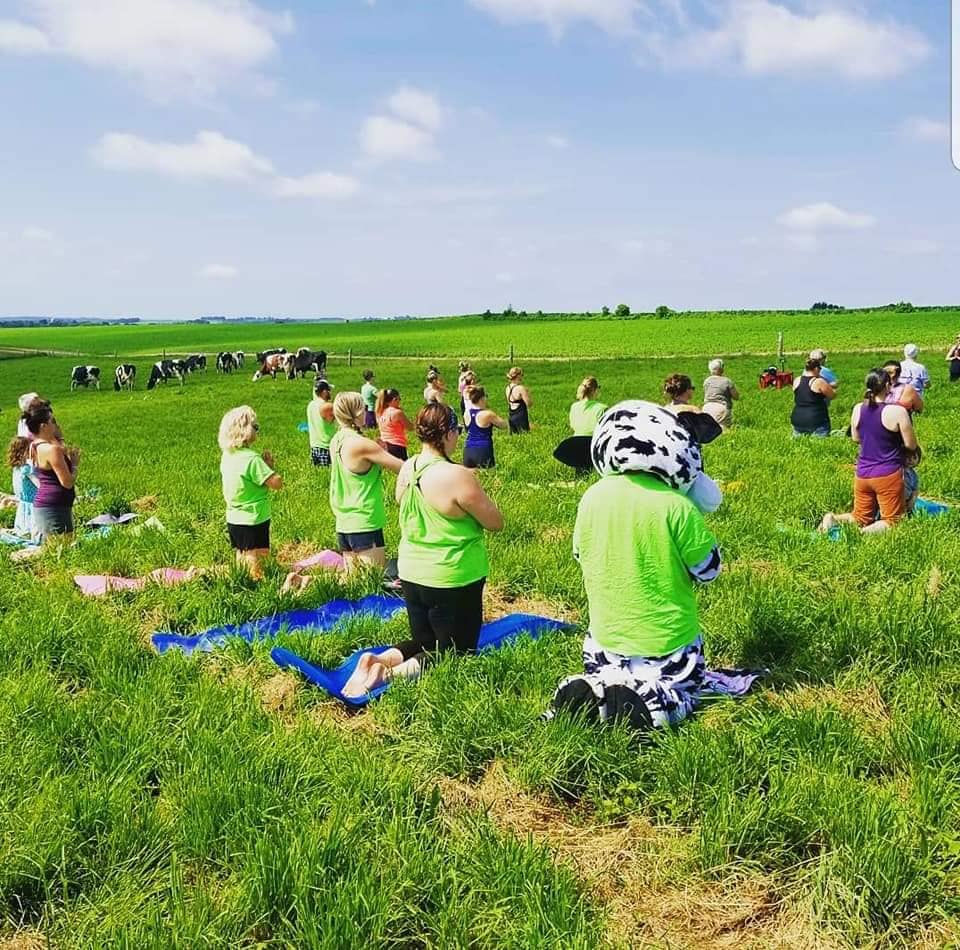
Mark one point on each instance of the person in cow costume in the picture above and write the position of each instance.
(642, 545)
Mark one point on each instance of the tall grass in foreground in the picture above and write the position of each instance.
(150, 801)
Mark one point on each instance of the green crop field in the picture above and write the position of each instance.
(212, 801)
(474, 337)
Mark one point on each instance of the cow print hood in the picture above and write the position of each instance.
(638, 436)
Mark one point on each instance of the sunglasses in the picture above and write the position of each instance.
(256, 427)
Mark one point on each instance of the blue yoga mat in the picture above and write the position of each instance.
(930, 509)
(323, 618)
(493, 635)
(302, 427)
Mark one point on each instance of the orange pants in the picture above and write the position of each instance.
(885, 493)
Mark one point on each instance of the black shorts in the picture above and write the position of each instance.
(442, 618)
(250, 537)
(358, 541)
(320, 456)
(397, 451)
(478, 456)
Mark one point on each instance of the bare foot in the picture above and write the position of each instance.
(369, 674)
(295, 584)
(829, 521)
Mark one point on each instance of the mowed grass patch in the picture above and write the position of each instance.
(161, 800)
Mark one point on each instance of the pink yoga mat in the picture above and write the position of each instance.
(96, 585)
(329, 560)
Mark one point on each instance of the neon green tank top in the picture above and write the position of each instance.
(356, 500)
(435, 550)
(321, 430)
(585, 415)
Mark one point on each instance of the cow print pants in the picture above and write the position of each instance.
(669, 686)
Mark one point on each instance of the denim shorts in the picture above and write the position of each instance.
(821, 433)
(356, 542)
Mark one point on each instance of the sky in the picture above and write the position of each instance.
(174, 158)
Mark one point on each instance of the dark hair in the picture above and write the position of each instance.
(475, 393)
(676, 384)
(18, 451)
(876, 384)
(895, 364)
(368, 374)
(434, 423)
(811, 365)
(321, 385)
(384, 398)
(37, 415)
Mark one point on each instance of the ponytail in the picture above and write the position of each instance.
(876, 385)
(588, 388)
(346, 408)
(434, 422)
(384, 398)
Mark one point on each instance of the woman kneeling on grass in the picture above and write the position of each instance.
(248, 478)
(480, 422)
(356, 485)
(393, 422)
(443, 562)
(320, 423)
(585, 413)
(55, 471)
(886, 436)
(641, 544)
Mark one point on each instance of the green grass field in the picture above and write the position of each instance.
(473, 337)
(153, 801)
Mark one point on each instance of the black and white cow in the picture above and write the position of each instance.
(125, 377)
(271, 364)
(238, 358)
(226, 362)
(164, 370)
(85, 376)
(306, 361)
(194, 362)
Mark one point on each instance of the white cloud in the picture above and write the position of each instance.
(22, 38)
(922, 129)
(416, 106)
(823, 216)
(210, 155)
(316, 185)
(808, 243)
(615, 16)
(385, 137)
(37, 235)
(218, 272)
(559, 142)
(192, 43)
(765, 38)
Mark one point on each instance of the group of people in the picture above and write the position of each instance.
(640, 537)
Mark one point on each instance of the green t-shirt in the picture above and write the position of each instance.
(356, 500)
(635, 538)
(584, 416)
(435, 550)
(321, 430)
(369, 393)
(244, 472)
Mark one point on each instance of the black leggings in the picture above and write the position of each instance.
(442, 618)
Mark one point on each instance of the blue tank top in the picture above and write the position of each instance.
(477, 436)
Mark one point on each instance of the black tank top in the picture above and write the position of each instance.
(810, 409)
(519, 418)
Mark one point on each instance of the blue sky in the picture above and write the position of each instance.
(169, 158)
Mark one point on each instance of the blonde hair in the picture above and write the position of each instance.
(588, 388)
(238, 429)
(346, 408)
(514, 373)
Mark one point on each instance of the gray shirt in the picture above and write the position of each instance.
(718, 389)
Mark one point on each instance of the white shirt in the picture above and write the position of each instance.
(914, 374)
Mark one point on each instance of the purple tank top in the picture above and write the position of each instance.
(50, 493)
(881, 451)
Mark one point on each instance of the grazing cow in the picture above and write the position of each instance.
(125, 377)
(194, 362)
(306, 361)
(226, 362)
(271, 365)
(262, 356)
(85, 376)
(163, 370)
(238, 357)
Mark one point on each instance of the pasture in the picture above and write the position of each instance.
(153, 801)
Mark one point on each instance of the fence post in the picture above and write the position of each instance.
(780, 348)
(511, 353)
(350, 357)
